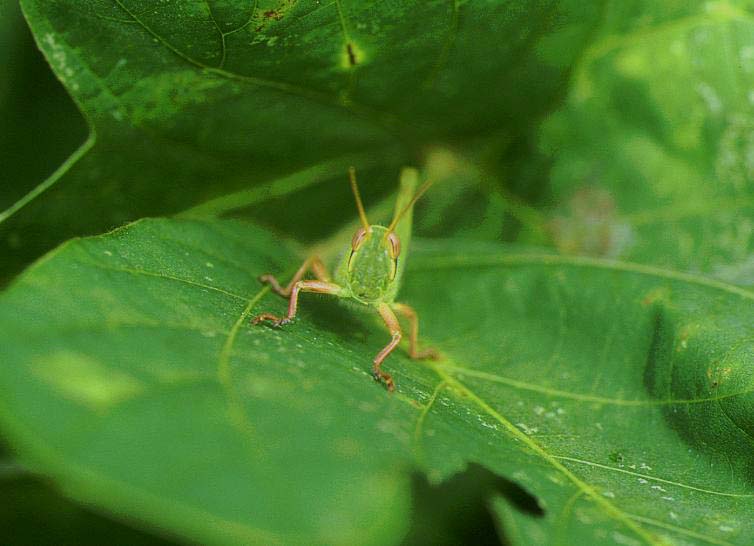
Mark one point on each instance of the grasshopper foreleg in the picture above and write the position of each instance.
(395, 332)
(320, 287)
(313, 263)
(387, 314)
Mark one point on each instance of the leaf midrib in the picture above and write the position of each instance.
(610, 509)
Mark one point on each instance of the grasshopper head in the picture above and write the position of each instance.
(373, 263)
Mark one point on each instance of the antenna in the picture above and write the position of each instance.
(359, 204)
(411, 203)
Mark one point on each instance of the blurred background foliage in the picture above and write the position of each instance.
(41, 125)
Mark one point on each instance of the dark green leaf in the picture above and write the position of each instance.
(187, 101)
(39, 125)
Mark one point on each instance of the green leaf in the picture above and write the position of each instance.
(653, 151)
(620, 395)
(187, 101)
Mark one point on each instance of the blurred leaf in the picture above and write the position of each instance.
(31, 513)
(654, 152)
(618, 394)
(187, 101)
(40, 124)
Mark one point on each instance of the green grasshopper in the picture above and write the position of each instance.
(369, 272)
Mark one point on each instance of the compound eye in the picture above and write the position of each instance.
(358, 239)
(395, 245)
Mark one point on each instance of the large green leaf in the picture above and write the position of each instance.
(620, 395)
(189, 100)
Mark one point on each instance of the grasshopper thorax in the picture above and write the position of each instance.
(373, 264)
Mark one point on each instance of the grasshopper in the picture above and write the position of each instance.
(369, 273)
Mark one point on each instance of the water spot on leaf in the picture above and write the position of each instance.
(741, 272)
(734, 165)
(617, 456)
(710, 97)
(620, 538)
(746, 58)
(527, 429)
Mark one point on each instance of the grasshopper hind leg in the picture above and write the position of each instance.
(395, 332)
(388, 315)
(413, 338)
(322, 285)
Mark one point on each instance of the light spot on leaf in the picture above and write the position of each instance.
(589, 224)
(711, 98)
(527, 429)
(85, 380)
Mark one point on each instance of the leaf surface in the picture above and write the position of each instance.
(620, 395)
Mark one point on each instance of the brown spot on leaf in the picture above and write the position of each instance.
(653, 296)
(589, 224)
(351, 54)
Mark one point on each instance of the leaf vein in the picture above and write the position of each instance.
(680, 530)
(609, 508)
(655, 478)
(166, 277)
(423, 416)
(460, 261)
(515, 383)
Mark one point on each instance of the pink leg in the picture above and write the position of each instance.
(413, 338)
(320, 287)
(313, 263)
(395, 331)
